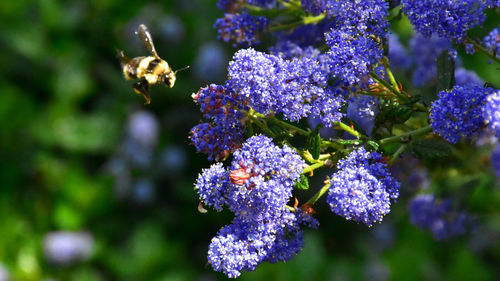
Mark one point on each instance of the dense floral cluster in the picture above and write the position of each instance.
(466, 77)
(491, 112)
(362, 188)
(492, 41)
(363, 110)
(449, 19)
(398, 56)
(458, 113)
(224, 133)
(495, 161)
(297, 88)
(436, 216)
(354, 41)
(241, 28)
(426, 50)
(255, 188)
(323, 65)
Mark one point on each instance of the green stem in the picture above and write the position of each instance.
(400, 138)
(302, 21)
(318, 194)
(258, 123)
(348, 129)
(313, 167)
(482, 49)
(284, 124)
(400, 95)
(396, 154)
(385, 60)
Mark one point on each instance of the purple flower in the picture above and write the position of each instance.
(363, 110)
(224, 133)
(362, 187)
(297, 88)
(492, 41)
(425, 51)
(212, 186)
(65, 248)
(256, 188)
(495, 161)
(436, 216)
(241, 28)
(449, 19)
(314, 7)
(464, 77)
(457, 112)
(398, 55)
(354, 41)
(491, 112)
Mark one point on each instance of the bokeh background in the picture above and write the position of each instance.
(94, 185)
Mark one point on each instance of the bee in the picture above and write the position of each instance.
(150, 70)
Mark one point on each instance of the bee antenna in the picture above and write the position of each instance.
(181, 69)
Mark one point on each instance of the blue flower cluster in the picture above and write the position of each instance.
(495, 161)
(491, 112)
(296, 88)
(425, 51)
(398, 56)
(458, 113)
(363, 110)
(466, 77)
(449, 19)
(224, 131)
(314, 7)
(362, 188)
(241, 28)
(355, 40)
(256, 189)
(492, 41)
(438, 217)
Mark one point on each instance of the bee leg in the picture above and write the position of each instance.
(123, 58)
(142, 88)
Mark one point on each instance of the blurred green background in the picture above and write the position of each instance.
(76, 162)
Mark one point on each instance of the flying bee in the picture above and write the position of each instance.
(149, 70)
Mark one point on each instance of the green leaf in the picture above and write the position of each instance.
(313, 143)
(429, 149)
(303, 183)
(445, 71)
(391, 113)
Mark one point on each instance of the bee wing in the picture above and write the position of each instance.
(146, 39)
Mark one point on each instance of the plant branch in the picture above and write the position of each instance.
(318, 194)
(400, 138)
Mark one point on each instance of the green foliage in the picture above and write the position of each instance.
(445, 65)
(429, 149)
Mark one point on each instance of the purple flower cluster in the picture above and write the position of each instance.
(426, 51)
(437, 216)
(256, 189)
(296, 88)
(354, 41)
(362, 188)
(363, 110)
(491, 112)
(314, 7)
(241, 28)
(224, 131)
(449, 19)
(495, 161)
(398, 56)
(466, 77)
(492, 41)
(457, 112)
